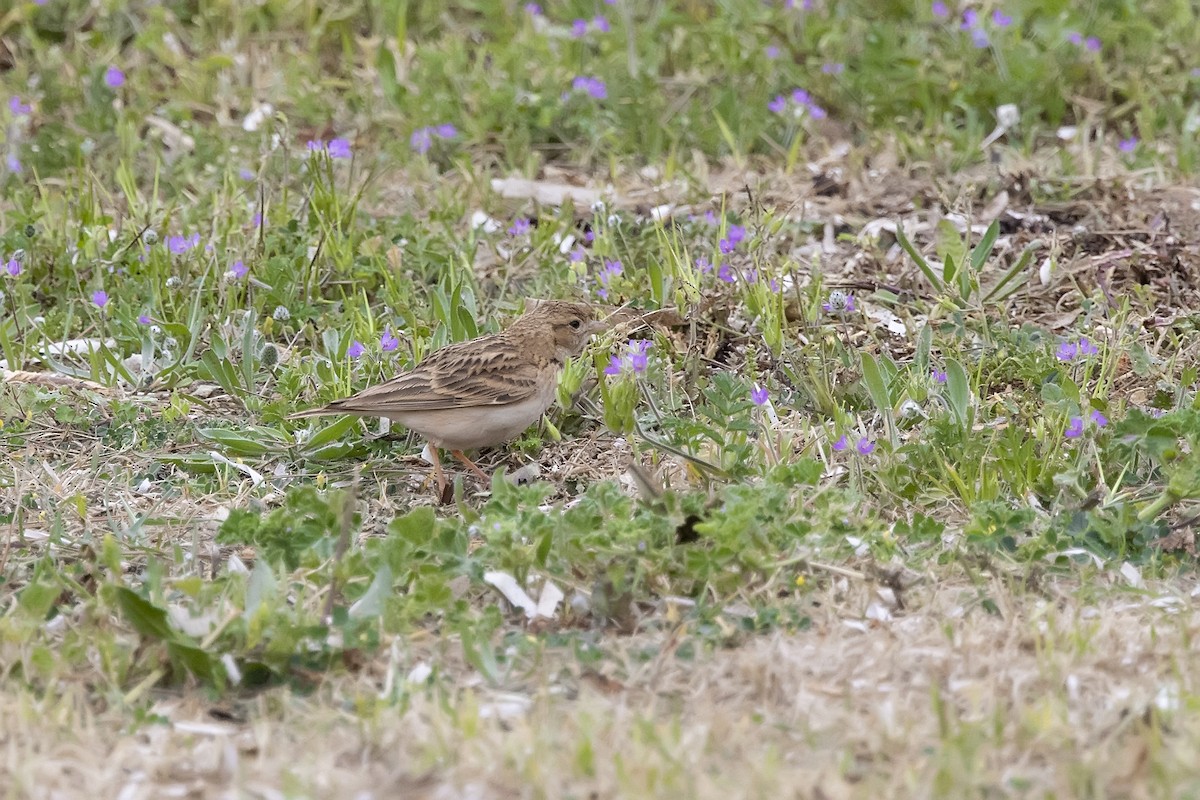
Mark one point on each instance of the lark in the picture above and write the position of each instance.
(480, 392)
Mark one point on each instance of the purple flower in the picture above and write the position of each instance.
(1075, 430)
(256, 221)
(579, 28)
(100, 298)
(356, 349)
(703, 264)
(979, 38)
(421, 140)
(939, 9)
(638, 358)
(144, 319)
(1086, 348)
(759, 395)
(1000, 19)
(725, 273)
(533, 9)
(1098, 418)
(315, 145)
(592, 86)
(388, 342)
(726, 246)
(520, 227)
(114, 78)
(245, 174)
(13, 267)
(611, 268)
(635, 358)
(736, 233)
(864, 446)
(833, 68)
(1128, 145)
(772, 51)
(777, 105)
(17, 107)
(577, 255)
(446, 131)
(970, 19)
(178, 245)
(801, 97)
(939, 375)
(601, 24)
(13, 163)
(339, 148)
(589, 236)
(1092, 44)
(816, 111)
(841, 444)
(710, 217)
(239, 269)
(1067, 351)
(1075, 37)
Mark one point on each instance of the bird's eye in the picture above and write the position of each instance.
(575, 324)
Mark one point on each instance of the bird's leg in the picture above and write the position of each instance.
(438, 475)
(469, 464)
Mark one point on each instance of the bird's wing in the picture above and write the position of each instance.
(490, 372)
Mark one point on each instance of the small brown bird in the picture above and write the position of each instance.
(480, 392)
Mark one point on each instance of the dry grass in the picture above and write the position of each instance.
(1056, 695)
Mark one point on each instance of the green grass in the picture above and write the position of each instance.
(975, 421)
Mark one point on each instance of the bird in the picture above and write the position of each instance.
(483, 391)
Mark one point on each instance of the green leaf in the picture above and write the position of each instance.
(1017, 270)
(919, 260)
(983, 250)
(147, 619)
(330, 433)
(958, 393)
(876, 385)
(371, 604)
(252, 441)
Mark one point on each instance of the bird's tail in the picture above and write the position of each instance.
(315, 412)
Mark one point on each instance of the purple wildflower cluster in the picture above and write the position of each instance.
(178, 245)
(864, 446)
(610, 270)
(1089, 43)
(388, 342)
(422, 138)
(338, 148)
(972, 24)
(580, 27)
(733, 237)
(1075, 429)
(634, 359)
(1069, 351)
(799, 101)
(591, 86)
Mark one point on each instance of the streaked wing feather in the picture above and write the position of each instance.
(488, 372)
